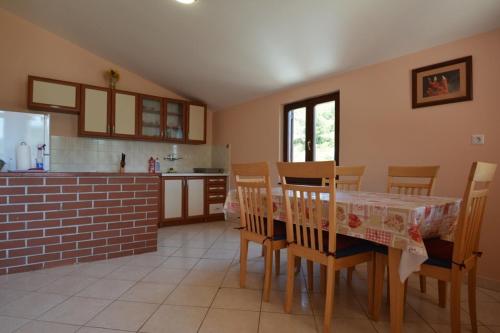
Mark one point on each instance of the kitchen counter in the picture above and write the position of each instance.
(76, 174)
(193, 174)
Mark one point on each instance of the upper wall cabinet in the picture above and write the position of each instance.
(124, 114)
(96, 111)
(151, 117)
(53, 95)
(175, 120)
(197, 120)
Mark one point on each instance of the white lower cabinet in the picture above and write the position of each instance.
(195, 197)
(183, 200)
(173, 193)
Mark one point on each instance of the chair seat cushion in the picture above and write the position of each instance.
(440, 252)
(279, 230)
(348, 246)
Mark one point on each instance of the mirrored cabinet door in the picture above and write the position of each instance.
(151, 117)
(175, 124)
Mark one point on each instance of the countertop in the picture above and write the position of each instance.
(77, 174)
(192, 174)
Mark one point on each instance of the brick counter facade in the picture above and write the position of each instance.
(51, 220)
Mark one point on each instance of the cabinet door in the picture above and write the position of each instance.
(95, 113)
(53, 95)
(173, 197)
(175, 124)
(151, 117)
(124, 114)
(195, 198)
(197, 117)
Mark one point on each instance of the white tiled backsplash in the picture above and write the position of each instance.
(76, 154)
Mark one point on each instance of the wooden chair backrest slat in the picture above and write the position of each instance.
(304, 208)
(254, 192)
(424, 176)
(472, 210)
(348, 178)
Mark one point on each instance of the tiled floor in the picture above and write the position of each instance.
(191, 285)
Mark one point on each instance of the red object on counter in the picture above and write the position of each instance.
(151, 165)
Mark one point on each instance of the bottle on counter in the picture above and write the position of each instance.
(157, 165)
(151, 165)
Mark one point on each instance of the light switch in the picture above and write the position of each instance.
(477, 139)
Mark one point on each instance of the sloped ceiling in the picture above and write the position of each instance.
(226, 52)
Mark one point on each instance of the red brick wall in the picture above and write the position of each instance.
(48, 220)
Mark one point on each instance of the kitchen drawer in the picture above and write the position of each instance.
(216, 188)
(216, 180)
(216, 197)
(215, 208)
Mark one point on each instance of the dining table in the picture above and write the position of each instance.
(401, 222)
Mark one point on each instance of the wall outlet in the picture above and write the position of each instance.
(477, 139)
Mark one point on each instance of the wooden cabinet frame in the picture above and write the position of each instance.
(81, 117)
(204, 126)
(162, 117)
(113, 114)
(51, 107)
(184, 120)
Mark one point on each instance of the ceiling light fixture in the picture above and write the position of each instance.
(186, 2)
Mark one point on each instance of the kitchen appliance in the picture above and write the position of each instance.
(31, 128)
(208, 170)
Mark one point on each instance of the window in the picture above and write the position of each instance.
(311, 131)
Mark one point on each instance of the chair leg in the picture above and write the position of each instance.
(277, 261)
(442, 293)
(322, 278)
(243, 261)
(350, 270)
(298, 265)
(290, 279)
(330, 291)
(471, 287)
(378, 287)
(371, 282)
(456, 283)
(310, 275)
(268, 271)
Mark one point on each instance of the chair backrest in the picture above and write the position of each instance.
(304, 208)
(348, 178)
(472, 211)
(416, 180)
(254, 191)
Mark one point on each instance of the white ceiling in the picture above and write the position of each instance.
(225, 52)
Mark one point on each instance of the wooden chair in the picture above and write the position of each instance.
(448, 261)
(306, 237)
(348, 179)
(257, 225)
(416, 180)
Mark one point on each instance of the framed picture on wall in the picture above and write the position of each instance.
(446, 82)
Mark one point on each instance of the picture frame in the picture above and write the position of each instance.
(442, 83)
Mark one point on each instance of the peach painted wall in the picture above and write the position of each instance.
(378, 126)
(29, 49)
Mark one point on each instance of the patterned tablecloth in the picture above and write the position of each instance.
(395, 220)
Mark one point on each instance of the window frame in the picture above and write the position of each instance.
(309, 104)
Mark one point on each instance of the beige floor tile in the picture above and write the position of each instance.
(301, 304)
(431, 312)
(96, 269)
(175, 319)
(464, 328)
(129, 273)
(199, 243)
(492, 293)
(98, 330)
(192, 296)
(230, 321)
(170, 243)
(418, 327)
(345, 305)
(189, 252)
(106, 289)
(44, 327)
(220, 254)
(487, 313)
(180, 263)
(147, 260)
(68, 285)
(204, 278)
(225, 245)
(10, 324)
(76, 310)
(148, 292)
(286, 323)
(253, 280)
(29, 281)
(166, 251)
(347, 325)
(495, 329)
(128, 316)
(238, 299)
(32, 305)
(8, 295)
(166, 275)
(214, 265)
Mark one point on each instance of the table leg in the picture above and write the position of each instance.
(396, 290)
